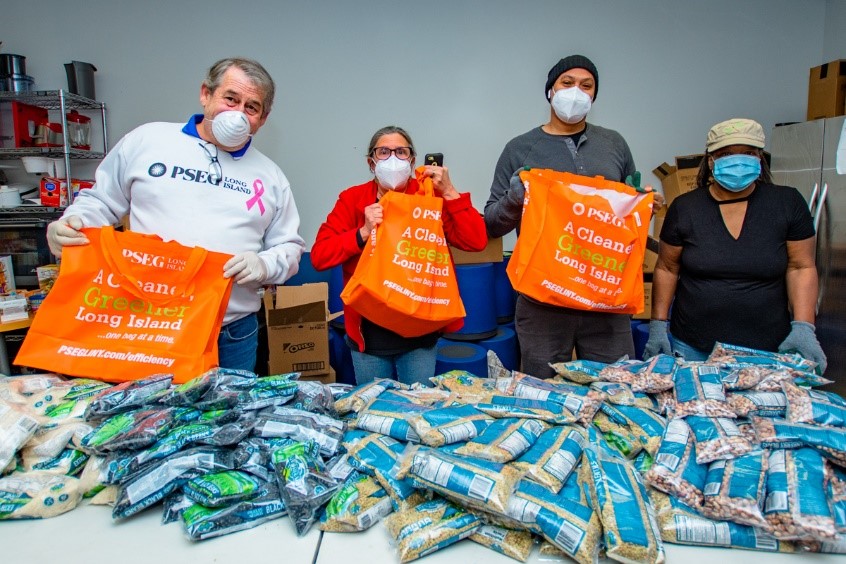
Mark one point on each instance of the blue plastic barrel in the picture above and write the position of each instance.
(453, 355)
(476, 286)
(336, 286)
(307, 273)
(640, 334)
(340, 357)
(504, 344)
(505, 298)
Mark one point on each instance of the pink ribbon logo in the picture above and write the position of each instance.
(258, 189)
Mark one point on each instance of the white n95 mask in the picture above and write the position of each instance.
(393, 172)
(231, 128)
(571, 105)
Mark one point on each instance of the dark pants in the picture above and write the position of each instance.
(549, 334)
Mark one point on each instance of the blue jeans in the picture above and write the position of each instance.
(237, 344)
(414, 366)
(688, 353)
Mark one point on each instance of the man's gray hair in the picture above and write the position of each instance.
(254, 71)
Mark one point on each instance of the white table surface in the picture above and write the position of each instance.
(88, 535)
(373, 547)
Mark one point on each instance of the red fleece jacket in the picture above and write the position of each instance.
(336, 243)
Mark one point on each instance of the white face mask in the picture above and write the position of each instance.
(571, 105)
(231, 128)
(393, 172)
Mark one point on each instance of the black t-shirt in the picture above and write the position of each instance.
(734, 291)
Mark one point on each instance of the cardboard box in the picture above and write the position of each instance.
(297, 330)
(54, 191)
(47, 276)
(647, 302)
(658, 223)
(827, 90)
(322, 378)
(649, 260)
(7, 275)
(13, 308)
(678, 179)
(491, 253)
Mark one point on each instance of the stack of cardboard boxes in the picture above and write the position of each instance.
(827, 90)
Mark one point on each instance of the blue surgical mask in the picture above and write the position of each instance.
(736, 172)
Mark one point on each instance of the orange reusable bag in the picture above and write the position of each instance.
(405, 280)
(127, 306)
(581, 242)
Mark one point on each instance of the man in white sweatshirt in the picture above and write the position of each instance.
(201, 184)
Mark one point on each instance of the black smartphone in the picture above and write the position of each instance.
(434, 159)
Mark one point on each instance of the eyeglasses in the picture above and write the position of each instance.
(382, 153)
(215, 170)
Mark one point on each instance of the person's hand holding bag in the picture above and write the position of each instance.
(803, 339)
(659, 341)
(658, 200)
(245, 268)
(441, 182)
(372, 218)
(63, 232)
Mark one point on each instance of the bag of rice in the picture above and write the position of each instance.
(504, 440)
(553, 457)
(581, 401)
(680, 524)
(510, 542)
(429, 527)
(472, 482)
(508, 406)
(630, 531)
(16, 428)
(37, 495)
(391, 418)
(579, 371)
(359, 504)
(447, 425)
(377, 455)
(357, 398)
(564, 520)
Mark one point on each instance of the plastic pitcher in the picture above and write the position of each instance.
(81, 78)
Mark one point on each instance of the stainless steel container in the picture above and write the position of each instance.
(12, 64)
(16, 83)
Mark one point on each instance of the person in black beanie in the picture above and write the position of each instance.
(566, 143)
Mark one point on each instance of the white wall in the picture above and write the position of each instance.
(834, 46)
(463, 76)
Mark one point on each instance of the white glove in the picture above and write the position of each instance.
(245, 268)
(65, 231)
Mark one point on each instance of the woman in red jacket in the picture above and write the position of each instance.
(376, 351)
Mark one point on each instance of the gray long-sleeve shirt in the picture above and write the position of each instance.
(600, 152)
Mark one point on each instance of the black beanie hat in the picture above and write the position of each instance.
(567, 63)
